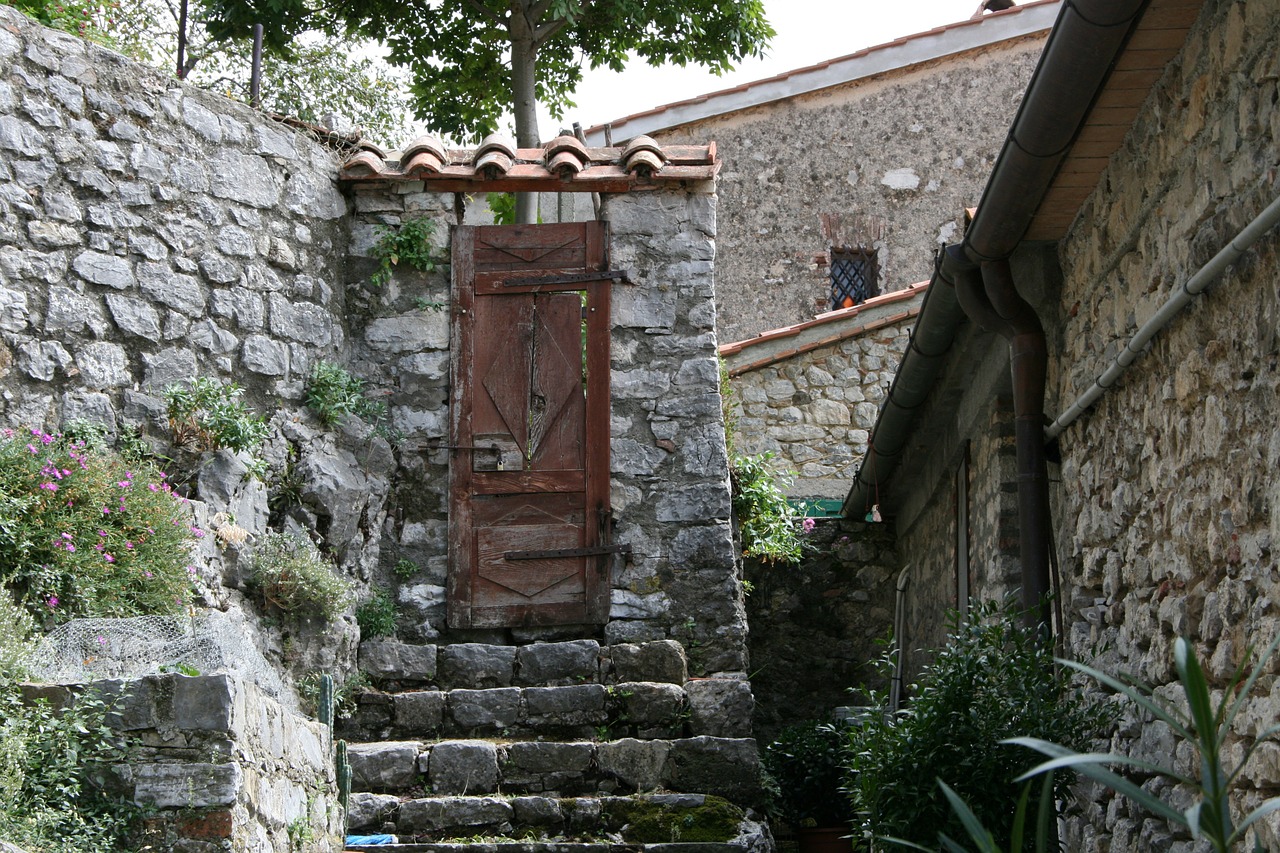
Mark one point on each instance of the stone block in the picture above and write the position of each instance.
(538, 757)
(385, 766)
(720, 707)
(648, 705)
(659, 660)
(636, 764)
(477, 665)
(581, 813)
(549, 664)
(203, 702)
(190, 786)
(387, 659)
(580, 705)
(419, 713)
(463, 767)
(371, 811)
(537, 811)
(443, 814)
(726, 767)
(491, 710)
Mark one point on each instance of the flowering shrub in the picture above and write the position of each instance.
(770, 526)
(85, 533)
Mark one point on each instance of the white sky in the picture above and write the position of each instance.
(808, 32)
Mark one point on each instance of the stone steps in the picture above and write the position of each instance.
(726, 767)
(550, 847)
(480, 821)
(574, 690)
(720, 707)
(567, 747)
(480, 665)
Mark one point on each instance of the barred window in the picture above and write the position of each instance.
(854, 277)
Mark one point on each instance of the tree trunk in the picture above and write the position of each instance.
(524, 57)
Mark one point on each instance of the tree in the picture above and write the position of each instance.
(470, 60)
(319, 76)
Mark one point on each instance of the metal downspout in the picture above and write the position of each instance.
(1029, 359)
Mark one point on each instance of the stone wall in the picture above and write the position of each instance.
(151, 232)
(907, 149)
(1168, 510)
(814, 410)
(814, 626)
(670, 489)
(219, 765)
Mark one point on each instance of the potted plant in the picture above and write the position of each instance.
(806, 763)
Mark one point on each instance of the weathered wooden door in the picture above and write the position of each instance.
(529, 470)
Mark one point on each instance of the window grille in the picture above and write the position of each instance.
(854, 274)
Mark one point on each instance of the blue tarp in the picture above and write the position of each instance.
(369, 840)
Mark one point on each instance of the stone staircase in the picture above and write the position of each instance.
(559, 747)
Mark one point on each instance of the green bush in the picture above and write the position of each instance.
(290, 574)
(771, 528)
(209, 415)
(376, 616)
(333, 392)
(54, 765)
(806, 763)
(993, 680)
(85, 533)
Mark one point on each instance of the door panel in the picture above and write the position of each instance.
(530, 424)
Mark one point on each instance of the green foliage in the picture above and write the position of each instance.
(290, 574)
(503, 207)
(993, 680)
(85, 533)
(410, 243)
(376, 616)
(771, 528)
(319, 75)
(1205, 725)
(468, 58)
(333, 392)
(405, 569)
(807, 764)
(55, 765)
(344, 697)
(88, 19)
(209, 415)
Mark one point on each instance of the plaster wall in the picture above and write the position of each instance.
(903, 153)
(1168, 510)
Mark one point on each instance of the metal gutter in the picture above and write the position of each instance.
(1081, 49)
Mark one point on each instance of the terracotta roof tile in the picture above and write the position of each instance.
(812, 334)
(498, 166)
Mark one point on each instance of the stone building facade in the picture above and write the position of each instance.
(883, 148)
(1163, 510)
(808, 393)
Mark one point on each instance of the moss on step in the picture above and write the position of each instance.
(652, 821)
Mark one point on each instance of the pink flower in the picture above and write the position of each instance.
(153, 487)
(53, 487)
(808, 524)
(108, 558)
(52, 601)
